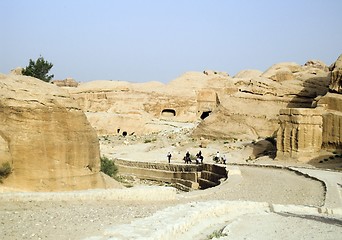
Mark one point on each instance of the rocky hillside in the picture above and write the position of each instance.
(245, 106)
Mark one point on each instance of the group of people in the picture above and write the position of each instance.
(199, 158)
(219, 159)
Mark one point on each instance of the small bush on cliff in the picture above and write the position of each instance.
(39, 69)
(108, 167)
(5, 170)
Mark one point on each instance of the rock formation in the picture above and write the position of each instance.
(68, 82)
(303, 133)
(242, 107)
(331, 104)
(120, 107)
(17, 71)
(252, 110)
(46, 138)
(300, 134)
(336, 76)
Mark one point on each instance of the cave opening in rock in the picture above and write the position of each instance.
(205, 114)
(168, 112)
(124, 133)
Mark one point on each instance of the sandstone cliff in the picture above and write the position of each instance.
(46, 138)
(121, 107)
(252, 110)
(336, 76)
(245, 106)
(303, 132)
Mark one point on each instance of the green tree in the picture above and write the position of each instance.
(39, 69)
(108, 167)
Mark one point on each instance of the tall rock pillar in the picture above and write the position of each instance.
(300, 134)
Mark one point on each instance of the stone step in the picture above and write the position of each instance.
(187, 183)
(218, 169)
(204, 183)
(213, 177)
(182, 187)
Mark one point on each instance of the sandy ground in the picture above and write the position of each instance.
(89, 219)
(80, 219)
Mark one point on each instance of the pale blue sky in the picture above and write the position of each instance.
(145, 40)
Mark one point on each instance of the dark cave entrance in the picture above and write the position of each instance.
(168, 112)
(205, 114)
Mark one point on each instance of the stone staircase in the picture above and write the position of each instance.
(211, 175)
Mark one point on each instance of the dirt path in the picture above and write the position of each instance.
(84, 218)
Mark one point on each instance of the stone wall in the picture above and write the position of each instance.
(300, 134)
(183, 176)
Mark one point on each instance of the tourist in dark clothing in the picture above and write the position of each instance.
(169, 156)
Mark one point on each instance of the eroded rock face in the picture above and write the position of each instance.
(336, 76)
(46, 138)
(252, 110)
(331, 104)
(304, 132)
(242, 107)
(300, 134)
(117, 107)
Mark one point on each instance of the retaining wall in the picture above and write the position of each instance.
(183, 176)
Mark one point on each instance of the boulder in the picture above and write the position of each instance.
(259, 149)
(17, 71)
(46, 138)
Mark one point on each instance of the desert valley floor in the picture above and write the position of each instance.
(257, 201)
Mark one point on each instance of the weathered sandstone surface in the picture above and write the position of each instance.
(245, 106)
(336, 76)
(46, 138)
(252, 110)
(121, 107)
(303, 132)
(68, 82)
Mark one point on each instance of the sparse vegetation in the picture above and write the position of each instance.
(216, 234)
(39, 69)
(150, 140)
(108, 167)
(5, 170)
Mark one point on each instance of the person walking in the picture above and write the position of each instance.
(169, 157)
